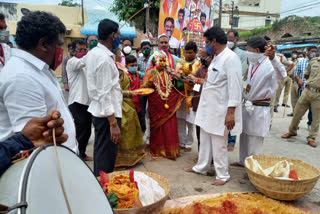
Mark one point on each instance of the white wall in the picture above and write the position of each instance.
(248, 22)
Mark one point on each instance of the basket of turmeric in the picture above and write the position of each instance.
(134, 191)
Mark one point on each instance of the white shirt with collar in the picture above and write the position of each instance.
(103, 83)
(263, 85)
(221, 90)
(7, 53)
(29, 89)
(77, 80)
(173, 42)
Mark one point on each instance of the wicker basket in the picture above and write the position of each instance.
(286, 190)
(152, 208)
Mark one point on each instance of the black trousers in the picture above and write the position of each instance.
(82, 120)
(143, 105)
(105, 151)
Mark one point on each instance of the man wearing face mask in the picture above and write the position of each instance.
(92, 41)
(78, 100)
(233, 38)
(142, 67)
(205, 59)
(28, 86)
(126, 50)
(307, 77)
(5, 50)
(264, 72)
(219, 109)
(105, 96)
(294, 84)
(299, 75)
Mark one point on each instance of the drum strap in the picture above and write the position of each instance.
(60, 172)
(5, 209)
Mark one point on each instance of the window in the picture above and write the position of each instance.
(268, 22)
(216, 22)
(235, 21)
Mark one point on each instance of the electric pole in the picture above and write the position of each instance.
(220, 13)
(82, 12)
(147, 20)
(231, 21)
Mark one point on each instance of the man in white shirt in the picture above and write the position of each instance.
(78, 100)
(168, 30)
(219, 109)
(28, 86)
(265, 70)
(105, 96)
(5, 50)
(233, 38)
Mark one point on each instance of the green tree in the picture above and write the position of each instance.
(69, 3)
(124, 9)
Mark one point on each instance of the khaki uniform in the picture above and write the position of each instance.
(284, 82)
(294, 86)
(309, 97)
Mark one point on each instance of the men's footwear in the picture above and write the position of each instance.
(285, 105)
(230, 148)
(312, 143)
(187, 149)
(287, 135)
(290, 115)
(275, 110)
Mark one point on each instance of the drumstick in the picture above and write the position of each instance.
(59, 168)
(285, 107)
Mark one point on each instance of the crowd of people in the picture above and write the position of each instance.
(219, 91)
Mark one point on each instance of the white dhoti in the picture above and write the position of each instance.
(249, 145)
(213, 147)
(186, 132)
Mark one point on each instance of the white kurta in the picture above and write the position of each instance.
(221, 90)
(263, 86)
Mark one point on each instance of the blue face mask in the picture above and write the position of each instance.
(116, 42)
(209, 49)
(133, 69)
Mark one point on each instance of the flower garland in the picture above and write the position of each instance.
(167, 84)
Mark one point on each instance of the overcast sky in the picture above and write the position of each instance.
(295, 7)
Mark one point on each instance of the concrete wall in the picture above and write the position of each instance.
(70, 16)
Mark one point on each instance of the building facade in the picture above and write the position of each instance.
(247, 14)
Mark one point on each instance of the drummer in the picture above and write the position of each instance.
(36, 132)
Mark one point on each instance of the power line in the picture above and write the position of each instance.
(315, 3)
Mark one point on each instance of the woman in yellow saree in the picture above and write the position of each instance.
(131, 147)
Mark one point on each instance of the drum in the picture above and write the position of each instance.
(34, 186)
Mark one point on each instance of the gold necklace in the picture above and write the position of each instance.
(167, 85)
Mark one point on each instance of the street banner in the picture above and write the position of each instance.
(175, 15)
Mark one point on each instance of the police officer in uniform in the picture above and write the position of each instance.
(310, 98)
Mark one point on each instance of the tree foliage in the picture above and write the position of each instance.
(124, 9)
(69, 3)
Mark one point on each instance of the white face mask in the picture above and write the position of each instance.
(140, 54)
(230, 45)
(127, 50)
(294, 56)
(253, 58)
